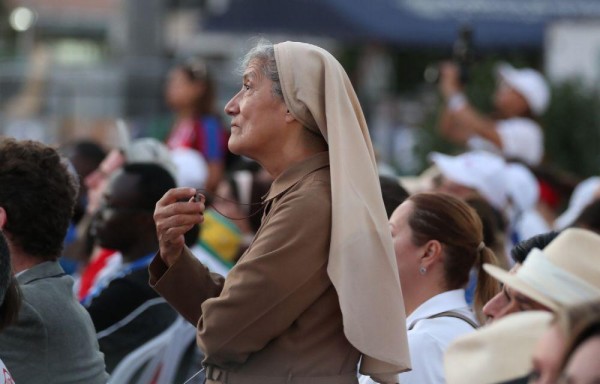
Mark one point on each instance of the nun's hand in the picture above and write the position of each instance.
(175, 214)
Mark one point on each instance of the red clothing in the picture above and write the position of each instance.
(89, 274)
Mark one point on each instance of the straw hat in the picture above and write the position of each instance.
(498, 352)
(566, 272)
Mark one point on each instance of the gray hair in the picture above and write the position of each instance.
(263, 53)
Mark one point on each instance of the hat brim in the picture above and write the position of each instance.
(515, 282)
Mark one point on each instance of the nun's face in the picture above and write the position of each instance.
(257, 117)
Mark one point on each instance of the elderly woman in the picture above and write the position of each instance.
(438, 239)
(317, 291)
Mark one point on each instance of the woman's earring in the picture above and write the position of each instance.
(422, 270)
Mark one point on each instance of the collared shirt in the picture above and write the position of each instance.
(521, 139)
(429, 338)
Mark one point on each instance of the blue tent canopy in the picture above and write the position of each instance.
(410, 23)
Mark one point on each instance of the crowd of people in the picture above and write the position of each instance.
(303, 265)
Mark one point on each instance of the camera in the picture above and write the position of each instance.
(462, 55)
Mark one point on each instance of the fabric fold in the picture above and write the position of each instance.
(362, 264)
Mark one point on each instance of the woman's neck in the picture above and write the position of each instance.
(418, 294)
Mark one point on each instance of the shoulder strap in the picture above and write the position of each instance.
(454, 314)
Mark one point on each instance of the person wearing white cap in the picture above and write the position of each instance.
(584, 194)
(512, 132)
(523, 196)
(475, 172)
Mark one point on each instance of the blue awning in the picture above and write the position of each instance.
(411, 23)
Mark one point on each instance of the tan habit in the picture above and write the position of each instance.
(362, 265)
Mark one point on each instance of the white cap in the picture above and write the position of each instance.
(582, 196)
(144, 150)
(529, 83)
(523, 188)
(192, 170)
(480, 170)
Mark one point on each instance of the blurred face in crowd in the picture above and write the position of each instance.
(583, 367)
(182, 92)
(509, 102)
(258, 117)
(509, 301)
(547, 356)
(97, 180)
(118, 218)
(460, 191)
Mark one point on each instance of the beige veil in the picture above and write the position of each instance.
(362, 265)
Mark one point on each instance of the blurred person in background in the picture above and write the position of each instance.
(191, 94)
(234, 214)
(589, 218)
(124, 223)
(512, 131)
(392, 192)
(437, 240)
(85, 156)
(523, 198)
(37, 198)
(101, 261)
(508, 301)
(584, 194)
(10, 299)
(475, 173)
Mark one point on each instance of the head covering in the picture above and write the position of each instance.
(498, 352)
(529, 83)
(522, 188)
(362, 264)
(144, 150)
(583, 195)
(192, 169)
(480, 170)
(566, 272)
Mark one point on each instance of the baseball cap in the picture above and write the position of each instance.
(529, 83)
(480, 170)
(523, 188)
(144, 150)
(192, 170)
(581, 197)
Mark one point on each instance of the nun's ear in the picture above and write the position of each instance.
(289, 118)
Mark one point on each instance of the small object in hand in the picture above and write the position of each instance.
(198, 197)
